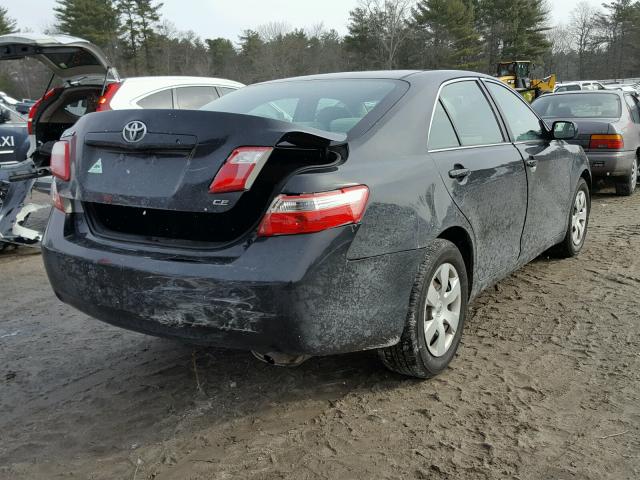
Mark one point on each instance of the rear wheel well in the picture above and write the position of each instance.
(587, 178)
(461, 239)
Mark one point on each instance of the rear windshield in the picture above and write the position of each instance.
(343, 106)
(568, 88)
(581, 105)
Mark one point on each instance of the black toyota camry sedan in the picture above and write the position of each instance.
(315, 215)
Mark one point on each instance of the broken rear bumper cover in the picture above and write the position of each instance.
(292, 294)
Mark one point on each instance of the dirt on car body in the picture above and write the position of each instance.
(546, 386)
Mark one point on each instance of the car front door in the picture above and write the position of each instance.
(484, 174)
(549, 166)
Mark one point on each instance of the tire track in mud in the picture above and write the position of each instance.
(549, 369)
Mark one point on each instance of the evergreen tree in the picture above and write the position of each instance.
(513, 29)
(446, 34)
(7, 24)
(139, 21)
(222, 54)
(93, 20)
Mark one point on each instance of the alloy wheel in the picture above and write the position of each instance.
(442, 309)
(579, 218)
(634, 175)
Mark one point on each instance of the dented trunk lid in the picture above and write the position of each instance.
(158, 185)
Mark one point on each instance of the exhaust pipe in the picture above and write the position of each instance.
(281, 359)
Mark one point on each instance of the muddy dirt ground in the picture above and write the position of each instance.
(545, 386)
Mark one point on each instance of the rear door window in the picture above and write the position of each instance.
(523, 123)
(158, 100)
(471, 114)
(633, 108)
(442, 134)
(192, 98)
(225, 90)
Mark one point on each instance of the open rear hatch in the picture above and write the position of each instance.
(156, 185)
(69, 58)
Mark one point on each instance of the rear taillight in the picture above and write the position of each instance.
(314, 212)
(34, 109)
(104, 102)
(61, 160)
(56, 199)
(606, 142)
(240, 170)
(32, 113)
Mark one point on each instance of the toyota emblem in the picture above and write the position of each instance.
(134, 131)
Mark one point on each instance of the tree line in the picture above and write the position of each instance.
(382, 34)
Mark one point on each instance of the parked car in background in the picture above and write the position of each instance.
(628, 88)
(182, 93)
(608, 130)
(366, 221)
(7, 100)
(24, 106)
(578, 86)
(14, 140)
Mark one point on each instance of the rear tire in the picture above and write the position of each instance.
(578, 223)
(627, 186)
(431, 335)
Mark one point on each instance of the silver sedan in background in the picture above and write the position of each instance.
(608, 130)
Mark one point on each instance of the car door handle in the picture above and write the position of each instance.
(532, 163)
(459, 173)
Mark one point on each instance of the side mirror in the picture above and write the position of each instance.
(563, 130)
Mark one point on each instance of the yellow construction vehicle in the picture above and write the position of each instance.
(517, 76)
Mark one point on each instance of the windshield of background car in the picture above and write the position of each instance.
(581, 105)
(342, 105)
(568, 88)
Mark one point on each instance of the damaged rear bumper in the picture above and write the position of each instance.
(295, 294)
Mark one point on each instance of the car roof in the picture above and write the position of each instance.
(169, 81)
(586, 92)
(411, 75)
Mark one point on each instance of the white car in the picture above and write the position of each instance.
(7, 100)
(183, 93)
(577, 86)
(622, 86)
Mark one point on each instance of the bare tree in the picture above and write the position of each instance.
(582, 30)
(389, 22)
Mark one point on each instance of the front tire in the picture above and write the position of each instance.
(627, 186)
(578, 223)
(435, 320)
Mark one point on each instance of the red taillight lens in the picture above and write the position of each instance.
(32, 113)
(34, 109)
(61, 160)
(240, 170)
(606, 142)
(56, 199)
(314, 212)
(104, 102)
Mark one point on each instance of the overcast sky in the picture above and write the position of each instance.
(228, 18)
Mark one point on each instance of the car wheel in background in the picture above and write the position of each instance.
(578, 223)
(628, 185)
(435, 320)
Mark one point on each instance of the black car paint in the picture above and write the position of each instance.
(344, 289)
(14, 142)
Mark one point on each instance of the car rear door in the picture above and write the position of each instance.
(549, 166)
(483, 172)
